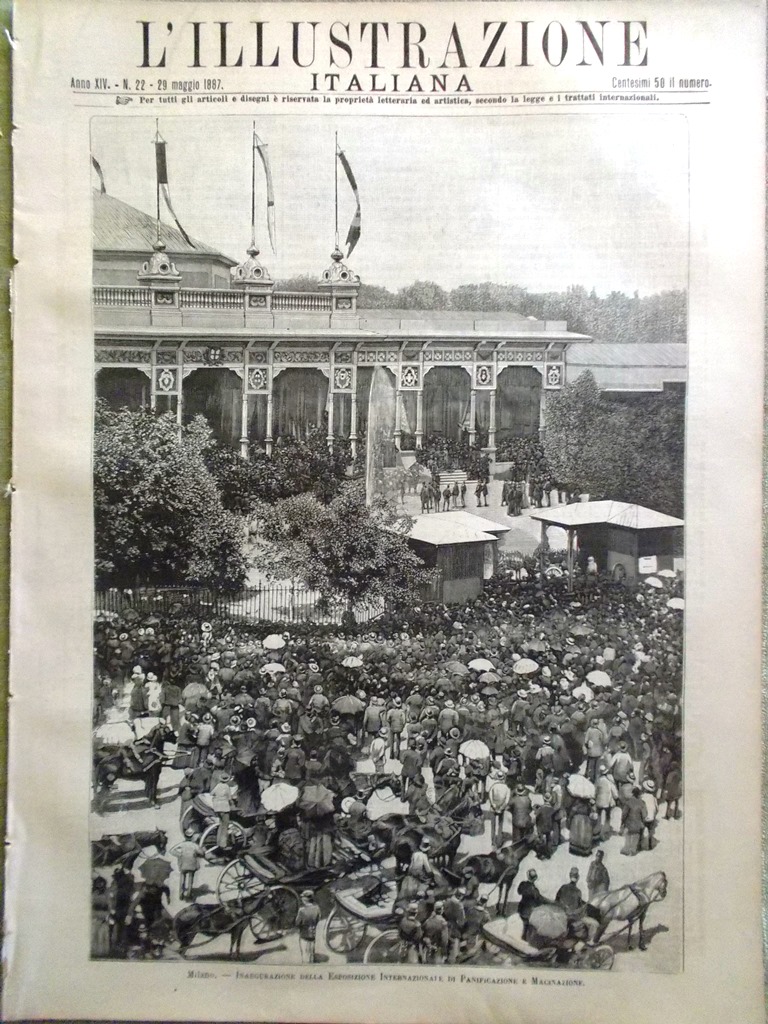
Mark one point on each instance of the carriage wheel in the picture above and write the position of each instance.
(275, 914)
(599, 958)
(236, 882)
(384, 949)
(343, 932)
(191, 818)
(235, 835)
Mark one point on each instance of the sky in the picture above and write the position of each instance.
(541, 201)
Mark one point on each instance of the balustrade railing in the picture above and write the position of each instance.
(213, 298)
(107, 295)
(301, 302)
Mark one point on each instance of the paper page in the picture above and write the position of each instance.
(385, 555)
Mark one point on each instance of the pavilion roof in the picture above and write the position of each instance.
(612, 513)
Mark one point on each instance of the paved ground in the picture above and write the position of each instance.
(127, 811)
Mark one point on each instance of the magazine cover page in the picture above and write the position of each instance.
(386, 529)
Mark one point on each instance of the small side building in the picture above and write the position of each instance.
(625, 540)
(462, 547)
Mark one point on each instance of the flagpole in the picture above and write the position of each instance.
(157, 180)
(253, 187)
(336, 186)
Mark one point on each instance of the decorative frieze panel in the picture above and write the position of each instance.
(410, 377)
(166, 357)
(258, 379)
(166, 381)
(302, 357)
(377, 356)
(342, 379)
(447, 355)
(554, 375)
(484, 377)
(521, 355)
(122, 355)
(213, 355)
(257, 358)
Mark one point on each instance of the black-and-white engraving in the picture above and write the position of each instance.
(389, 579)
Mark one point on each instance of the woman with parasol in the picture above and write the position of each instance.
(581, 816)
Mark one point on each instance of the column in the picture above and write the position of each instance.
(419, 417)
(492, 422)
(268, 437)
(244, 420)
(542, 410)
(329, 407)
(569, 561)
(353, 424)
(472, 416)
(398, 417)
(179, 388)
(543, 548)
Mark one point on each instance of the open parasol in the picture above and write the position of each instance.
(489, 691)
(113, 734)
(316, 801)
(580, 786)
(655, 582)
(599, 678)
(455, 668)
(274, 668)
(584, 693)
(676, 602)
(278, 796)
(476, 750)
(481, 665)
(536, 646)
(352, 661)
(525, 667)
(549, 921)
(195, 689)
(489, 677)
(581, 629)
(155, 870)
(668, 574)
(273, 642)
(348, 705)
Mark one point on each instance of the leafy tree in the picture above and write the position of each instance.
(159, 517)
(422, 295)
(570, 439)
(297, 467)
(237, 479)
(347, 550)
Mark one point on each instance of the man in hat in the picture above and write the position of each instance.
(396, 724)
(499, 797)
(633, 823)
(453, 912)
(436, 935)
(530, 897)
(448, 718)
(651, 804)
(222, 795)
(188, 854)
(410, 931)
(520, 807)
(623, 771)
(306, 921)
(476, 916)
(412, 761)
(378, 751)
(420, 866)
(598, 879)
(594, 747)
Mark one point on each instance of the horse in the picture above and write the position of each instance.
(141, 760)
(502, 867)
(212, 921)
(630, 903)
(125, 847)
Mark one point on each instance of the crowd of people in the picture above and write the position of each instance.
(558, 713)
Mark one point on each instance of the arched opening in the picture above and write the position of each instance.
(518, 398)
(123, 388)
(217, 395)
(300, 403)
(446, 402)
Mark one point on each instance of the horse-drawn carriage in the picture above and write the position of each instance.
(119, 752)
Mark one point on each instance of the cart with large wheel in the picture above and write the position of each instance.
(552, 941)
(362, 902)
(204, 822)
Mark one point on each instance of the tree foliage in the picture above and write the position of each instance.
(625, 450)
(298, 467)
(159, 516)
(348, 551)
(616, 317)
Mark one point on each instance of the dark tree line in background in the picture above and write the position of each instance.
(615, 317)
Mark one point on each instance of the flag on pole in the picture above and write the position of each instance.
(353, 235)
(162, 185)
(262, 150)
(100, 173)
